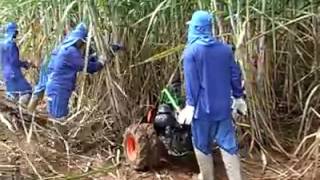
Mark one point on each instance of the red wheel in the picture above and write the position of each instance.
(140, 146)
(131, 148)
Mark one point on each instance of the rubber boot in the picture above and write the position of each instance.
(35, 98)
(2, 85)
(11, 97)
(24, 99)
(205, 163)
(232, 165)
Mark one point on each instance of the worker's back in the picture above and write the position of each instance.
(212, 77)
(64, 68)
(214, 65)
(11, 65)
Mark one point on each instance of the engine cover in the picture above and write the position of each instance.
(165, 117)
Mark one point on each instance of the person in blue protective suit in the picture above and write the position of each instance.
(48, 66)
(67, 63)
(45, 70)
(17, 87)
(39, 89)
(211, 77)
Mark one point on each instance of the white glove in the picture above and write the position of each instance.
(186, 115)
(239, 106)
(102, 60)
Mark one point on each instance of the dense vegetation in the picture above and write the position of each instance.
(278, 46)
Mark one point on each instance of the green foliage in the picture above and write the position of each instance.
(277, 45)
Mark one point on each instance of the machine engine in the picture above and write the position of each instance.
(175, 137)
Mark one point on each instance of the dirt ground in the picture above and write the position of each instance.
(14, 157)
(178, 168)
(18, 158)
(21, 159)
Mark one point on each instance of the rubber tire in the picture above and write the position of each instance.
(140, 143)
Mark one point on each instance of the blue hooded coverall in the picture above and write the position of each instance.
(14, 80)
(211, 77)
(45, 70)
(62, 80)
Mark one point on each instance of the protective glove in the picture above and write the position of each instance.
(117, 47)
(102, 59)
(186, 115)
(26, 64)
(239, 106)
(92, 56)
(114, 48)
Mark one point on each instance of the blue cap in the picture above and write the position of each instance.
(79, 33)
(11, 28)
(201, 18)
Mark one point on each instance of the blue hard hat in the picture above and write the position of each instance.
(201, 18)
(79, 33)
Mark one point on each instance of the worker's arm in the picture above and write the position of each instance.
(14, 56)
(94, 65)
(192, 81)
(76, 61)
(236, 81)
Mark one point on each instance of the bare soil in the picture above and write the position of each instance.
(20, 159)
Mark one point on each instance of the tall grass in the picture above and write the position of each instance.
(277, 46)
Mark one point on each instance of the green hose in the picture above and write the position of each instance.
(171, 99)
